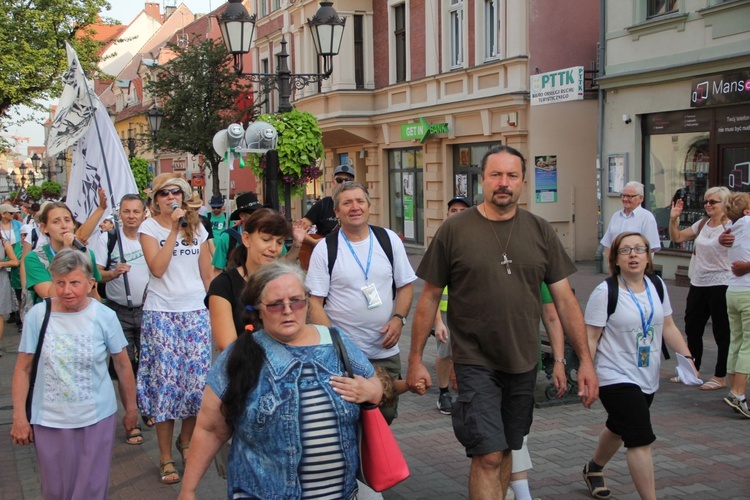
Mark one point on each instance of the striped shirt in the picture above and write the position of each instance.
(321, 468)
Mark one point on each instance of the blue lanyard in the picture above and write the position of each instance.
(646, 325)
(369, 256)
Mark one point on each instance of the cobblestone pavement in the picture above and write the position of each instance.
(700, 452)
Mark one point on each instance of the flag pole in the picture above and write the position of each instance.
(115, 215)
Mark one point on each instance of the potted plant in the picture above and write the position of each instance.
(300, 148)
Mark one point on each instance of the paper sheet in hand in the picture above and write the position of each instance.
(686, 372)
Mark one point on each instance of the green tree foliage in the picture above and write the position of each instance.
(51, 189)
(32, 47)
(143, 176)
(198, 92)
(34, 192)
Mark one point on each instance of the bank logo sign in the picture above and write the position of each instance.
(727, 88)
(557, 86)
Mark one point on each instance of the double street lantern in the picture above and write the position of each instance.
(61, 160)
(327, 31)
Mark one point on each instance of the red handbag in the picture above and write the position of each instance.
(382, 465)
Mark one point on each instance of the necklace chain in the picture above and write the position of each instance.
(505, 262)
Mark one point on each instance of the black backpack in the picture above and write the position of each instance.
(613, 291)
(332, 242)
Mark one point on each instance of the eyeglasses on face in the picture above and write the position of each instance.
(629, 196)
(628, 250)
(167, 192)
(341, 180)
(279, 307)
(711, 202)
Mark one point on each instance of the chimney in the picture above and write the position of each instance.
(152, 9)
(168, 11)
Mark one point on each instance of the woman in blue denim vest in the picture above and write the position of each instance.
(282, 395)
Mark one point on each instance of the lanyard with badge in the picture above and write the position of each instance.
(369, 290)
(642, 341)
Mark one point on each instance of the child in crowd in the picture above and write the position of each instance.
(393, 388)
(737, 208)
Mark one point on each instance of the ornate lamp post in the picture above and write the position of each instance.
(61, 160)
(155, 117)
(22, 168)
(36, 160)
(327, 29)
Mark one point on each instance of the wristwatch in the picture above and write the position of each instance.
(403, 320)
(561, 360)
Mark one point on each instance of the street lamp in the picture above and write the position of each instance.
(327, 30)
(155, 117)
(131, 142)
(61, 160)
(22, 168)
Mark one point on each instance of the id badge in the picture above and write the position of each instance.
(644, 354)
(371, 296)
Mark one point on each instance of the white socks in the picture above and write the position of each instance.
(521, 489)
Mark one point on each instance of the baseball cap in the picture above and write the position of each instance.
(344, 169)
(457, 199)
(5, 208)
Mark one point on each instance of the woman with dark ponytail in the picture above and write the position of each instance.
(263, 235)
(281, 390)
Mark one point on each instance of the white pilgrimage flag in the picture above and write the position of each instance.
(74, 111)
(87, 173)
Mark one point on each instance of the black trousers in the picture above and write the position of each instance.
(704, 302)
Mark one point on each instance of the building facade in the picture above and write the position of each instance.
(422, 89)
(677, 109)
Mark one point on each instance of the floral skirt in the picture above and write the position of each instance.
(174, 363)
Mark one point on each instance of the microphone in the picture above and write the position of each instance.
(175, 206)
(80, 246)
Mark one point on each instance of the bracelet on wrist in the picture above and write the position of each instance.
(561, 360)
(296, 245)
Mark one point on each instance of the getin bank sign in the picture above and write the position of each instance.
(557, 86)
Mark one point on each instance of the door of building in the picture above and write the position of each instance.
(407, 195)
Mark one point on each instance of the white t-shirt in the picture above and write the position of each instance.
(617, 352)
(740, 251)
(640, 220)
(711, 262)
(42, 239)
(138, 275)
(181, 288)
(73, 387)
(346, 305)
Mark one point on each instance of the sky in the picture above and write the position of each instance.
(124, 11)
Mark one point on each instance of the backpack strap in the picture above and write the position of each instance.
(700, 228)
(381, 235)
(34, 237)
(111, 241)
(612, 293)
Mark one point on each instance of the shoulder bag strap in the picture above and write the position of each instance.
(38, 353)
(338, 345)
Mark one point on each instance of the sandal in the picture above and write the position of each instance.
(166, 469)
(148, 420)
(675, 379)
(136, 437)
(595, 483)
(714, 384)
(182, 448)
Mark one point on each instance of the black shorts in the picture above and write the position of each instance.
(494, 410)
(628, 413)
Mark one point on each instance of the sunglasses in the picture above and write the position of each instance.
(341, 180)
(711, 202)
(280, 307)
(167, 192)
(628, 250)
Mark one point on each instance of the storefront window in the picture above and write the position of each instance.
(677, 161)
(467, 159)
(407, 197)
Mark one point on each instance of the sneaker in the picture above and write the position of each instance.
(444, 403)
(737, 405)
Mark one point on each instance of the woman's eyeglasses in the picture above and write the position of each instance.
(711, 202)
(629, 250)
(167, 192)
(279, 307)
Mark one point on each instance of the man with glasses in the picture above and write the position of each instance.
(632, 217)
(322, 216)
